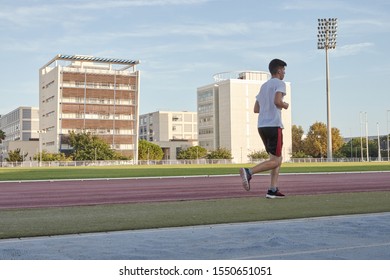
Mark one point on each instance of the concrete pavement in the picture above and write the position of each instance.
(353, 237)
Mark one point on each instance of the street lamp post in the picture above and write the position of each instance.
(327, 34)
(366, 121)
(40, 148)
(388, 132)
(361, 135)
(379, 143)
(40, 132)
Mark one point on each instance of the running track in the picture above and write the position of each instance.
(106, 191)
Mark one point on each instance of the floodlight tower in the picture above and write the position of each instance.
(327, 34)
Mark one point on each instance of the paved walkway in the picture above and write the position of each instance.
(355, 237)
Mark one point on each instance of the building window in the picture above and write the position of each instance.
(177, 118)
(206, 131)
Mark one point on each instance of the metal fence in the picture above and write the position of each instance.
(111, 163)
(308, 160)
(170, 162)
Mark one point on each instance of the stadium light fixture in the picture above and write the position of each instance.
(327, 34)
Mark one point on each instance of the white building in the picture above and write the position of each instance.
(172, 131)
(21, 131)
(226, 118)
(89, 94)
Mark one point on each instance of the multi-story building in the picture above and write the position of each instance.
(226, 118)
(20, 127)
(172, 131)
(89, 94)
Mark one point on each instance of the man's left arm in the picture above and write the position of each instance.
(279, 103)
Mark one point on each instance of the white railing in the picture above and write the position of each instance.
(167, 162)
(314, 160)
(98, 71)
(242, 75)
(111, 163)
(184, 161)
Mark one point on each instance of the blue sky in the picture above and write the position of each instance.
(183, 43)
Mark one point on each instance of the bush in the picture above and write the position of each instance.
(258, 155)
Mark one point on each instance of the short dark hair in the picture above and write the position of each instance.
(275, 64)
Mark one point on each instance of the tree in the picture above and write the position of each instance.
(316, 140)
(149, 151)
(299, 154)
(16, 156)
(353, 148)
(297, 138)
(220, 153)
(337, 140)
(2, 136)
(357, 148)
(194, 152)
(45, 156)
(87, 146)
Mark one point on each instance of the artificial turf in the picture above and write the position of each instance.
(18, 223)
(52, 173)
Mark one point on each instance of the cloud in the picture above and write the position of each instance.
(38, 15)
(343, 7)
(353, 49)
(188, 37)
(36, 12)
(25, 14)
(368, 25)
(312, 5)
(104, 4)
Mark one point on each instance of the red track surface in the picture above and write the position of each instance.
(92, 192)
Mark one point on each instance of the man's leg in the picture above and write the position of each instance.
(246, 173)
(270, 164)
(275, 171)
(273, 191)
(273, 141)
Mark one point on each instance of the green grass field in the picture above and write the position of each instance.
(17, 223)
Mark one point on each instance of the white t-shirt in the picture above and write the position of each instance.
(270, 115)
